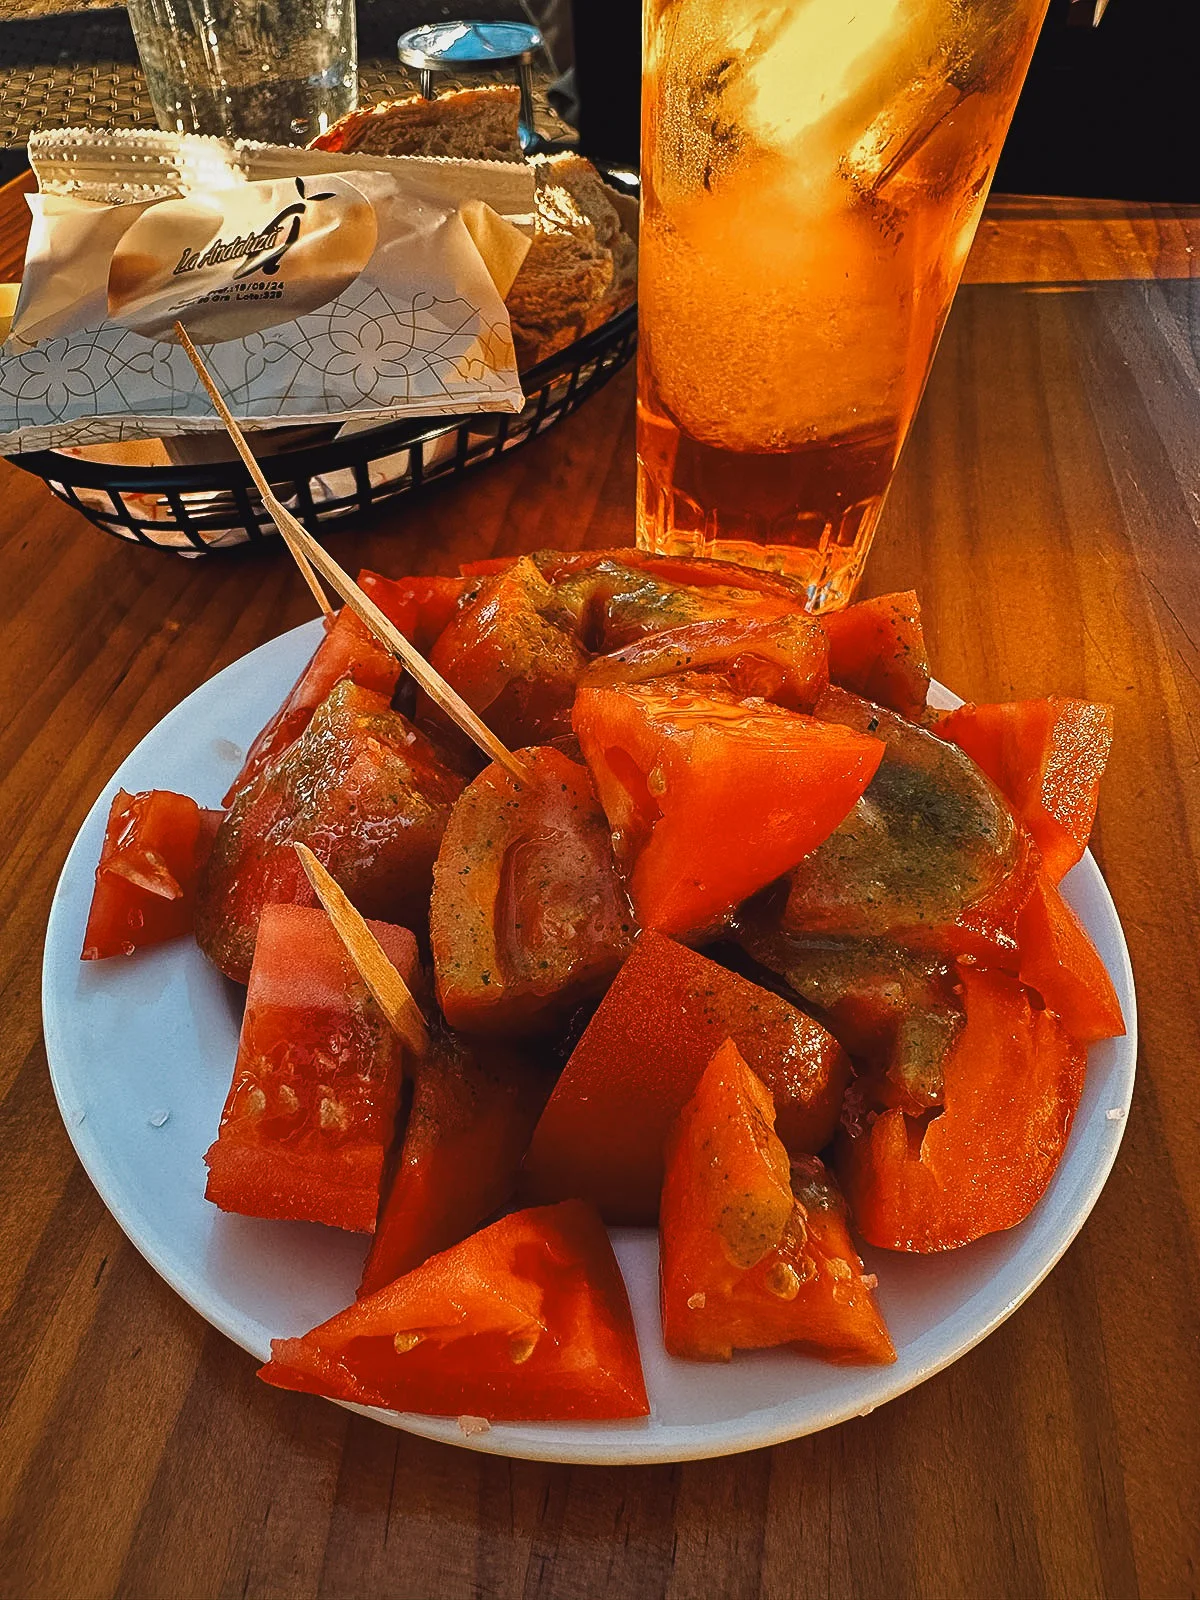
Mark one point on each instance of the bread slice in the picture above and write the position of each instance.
(581, 268)
(471, 124)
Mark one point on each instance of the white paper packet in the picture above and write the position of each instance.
(321, 287)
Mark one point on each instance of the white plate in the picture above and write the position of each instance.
(141, 1052)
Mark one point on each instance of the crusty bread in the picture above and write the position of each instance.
(471, 124)
(581, 268)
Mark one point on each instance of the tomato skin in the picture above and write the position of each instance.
(877, 650)
(755, 1251)
(784, 659)
(348, 650)
(1062, 964)
(528, 914)
(692, 787)
(155, 844)
(526, 1321)
(1046, 757)
(421, 607)
(512, 656)
(1012, 1085)
(473, 1112)
(691, 572)
(364, 790)
(930, 857)
(312, 1107)
(604, 1129)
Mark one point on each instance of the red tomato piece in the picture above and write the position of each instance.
(528, 915)
(603, 1131)
(754, 1250)
(312, 1108)
(981, 1163)
(364, 790)
(155, 844)
(348, 650)
(473, 1112)
(1046, 757)
(527, 1321)
(930, 857)
(782, 660)
(1062, 964)
(510, 652)
(709, 799)
(877, 649)
(692, 572)
(421, 607)
(897, 1011)
(613, 604)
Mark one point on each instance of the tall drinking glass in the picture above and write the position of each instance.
(281, 71)
(812, 175)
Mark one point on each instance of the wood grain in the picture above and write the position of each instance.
(1047, 510)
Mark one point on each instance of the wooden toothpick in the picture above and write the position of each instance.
(273, 505)
(364, 949)
(309, 555)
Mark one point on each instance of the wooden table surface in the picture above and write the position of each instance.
(1047, 512)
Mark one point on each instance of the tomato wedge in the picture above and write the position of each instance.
(528, 915)
(510, 652)
(602, 1134)
(710, 799)
(1046, 757)
(474, 1107)
(783, 659)
(754, 1250)
(312, 1107)
(930, 857)
(877, 649)
(364, 790)
(348, 650)
(897, 1011)
(421, 607)
(981, 1163)
(527, 1321)
(155, 844)
(1062, 964)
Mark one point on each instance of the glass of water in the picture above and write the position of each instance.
(281, 71)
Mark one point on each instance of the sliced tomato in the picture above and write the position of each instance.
(613, 604)
(527, 1321)
(981, 1162)
(602, 1134)
(877, 649)
(754, 1250)
(155, 844)
(692, 572)
(364, 790)
(782, 660)
(421, 607)
(897, 1011)
(348, 650)
(529, 915)
(312, 1108)
(473, 1112)
(1046, 757)
(930, 857)
(510, 652)
(710, 799)
(1062, 964)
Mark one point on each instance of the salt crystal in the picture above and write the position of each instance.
(1116, 1114)
(159, 1119)
(469, 1426)
(870, 1280)
(697, 1302)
